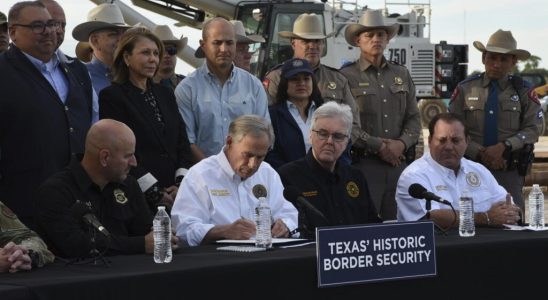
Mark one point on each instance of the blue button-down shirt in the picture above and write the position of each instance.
(99, 73)
(53, 74)
(208, 108)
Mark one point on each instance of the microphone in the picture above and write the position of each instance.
(418, 191)
(292, 195)
(82, 211)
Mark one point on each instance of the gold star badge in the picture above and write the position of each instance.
(352, 189)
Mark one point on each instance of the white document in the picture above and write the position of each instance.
(252, 241)
(522, 228)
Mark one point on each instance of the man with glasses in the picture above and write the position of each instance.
(46, 108)
(390, 119)
(103, 29)
(166, 72)
(4, 37)
(338, 192)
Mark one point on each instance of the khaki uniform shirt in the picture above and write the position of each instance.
(332, 85)
(12, 230)
(518, 114)
(386, 101)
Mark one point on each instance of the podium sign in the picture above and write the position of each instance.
(375, 252)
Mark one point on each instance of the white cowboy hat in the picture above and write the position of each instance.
(242, 37)
(103, 16)
(83, 51)
(307, 27)
(502, 42)
(370, 19)
(164, 33)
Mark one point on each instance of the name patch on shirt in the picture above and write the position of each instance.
(473, 98)
(363, 84)
(310, 194)
(221, 193)
(441, 188)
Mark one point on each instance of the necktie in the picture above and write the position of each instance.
(490, 130)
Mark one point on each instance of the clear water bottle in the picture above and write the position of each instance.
(536, 208)
(466, 215)
(263, 237)
(162, 236)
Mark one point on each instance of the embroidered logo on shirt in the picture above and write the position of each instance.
(221, 193)
(352, 189)
(473, 179)
(259, 191)
(120, 196)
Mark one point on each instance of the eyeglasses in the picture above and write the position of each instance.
(40, 27)
(324, 135)
(171, 50)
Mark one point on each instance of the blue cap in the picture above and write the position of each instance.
(295, 66)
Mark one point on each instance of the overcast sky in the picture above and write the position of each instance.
(455, 21)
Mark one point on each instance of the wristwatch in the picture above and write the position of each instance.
(508, 145)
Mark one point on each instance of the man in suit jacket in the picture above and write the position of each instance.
(45, 108)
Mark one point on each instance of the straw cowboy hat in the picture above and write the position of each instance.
(103, 16)
(307, 27)
(370, 19)
(163, 32)
(502, 42)
(242, 37)
(83, 51)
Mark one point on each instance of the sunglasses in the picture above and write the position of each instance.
(171, 50)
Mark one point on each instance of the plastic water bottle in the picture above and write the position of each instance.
(536, 208)
(162, 236)
(263, 237)
(466, 215)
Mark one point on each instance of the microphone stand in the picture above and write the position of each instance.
(95, 257)
(428, 207)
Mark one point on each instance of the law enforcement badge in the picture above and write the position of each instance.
(120, 196)
(352, 189)
(514, 98)
(259, 191)
(473, 179)
(398, 80)
(332, 85)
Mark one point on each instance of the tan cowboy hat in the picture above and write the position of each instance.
(164, 33)
(242, 37)
(307, 27)
(83, 51)
(502, 42)
(370, 19)
(103, 16)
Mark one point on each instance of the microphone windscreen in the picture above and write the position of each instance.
(417, 191)
(291, 193)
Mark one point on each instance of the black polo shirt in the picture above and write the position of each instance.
(342, 196)
(120, 207)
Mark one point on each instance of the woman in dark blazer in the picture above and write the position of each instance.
(297, 98)
(150, 110)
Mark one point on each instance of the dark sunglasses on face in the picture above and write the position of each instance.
(171, 50)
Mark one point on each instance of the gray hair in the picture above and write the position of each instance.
(332, 109)
(252, 125)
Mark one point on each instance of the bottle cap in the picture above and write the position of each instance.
(161, 207)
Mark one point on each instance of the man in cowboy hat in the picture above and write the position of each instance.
(243, 56)
(502, 112)
(217, 92)
(385, 96)
(4, 37)
(46, 107)
(104, 26)
(166, 72)
(308, 42)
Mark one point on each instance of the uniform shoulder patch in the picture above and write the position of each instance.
(455, 94)
(532, 94)
(266, 83)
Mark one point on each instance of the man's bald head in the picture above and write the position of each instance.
(108, 134)
(215, 22)
(58, 14)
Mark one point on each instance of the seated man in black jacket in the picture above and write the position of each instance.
(99, 181)
(338, 193)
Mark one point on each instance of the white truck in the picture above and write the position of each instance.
(435, 68)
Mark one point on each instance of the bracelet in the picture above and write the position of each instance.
(487, 218)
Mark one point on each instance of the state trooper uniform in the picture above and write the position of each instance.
(385, 98)
(12, 230)
(517, 117)
(519, 114)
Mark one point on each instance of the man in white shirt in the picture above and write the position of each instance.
(218, 195)
(445, 172)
